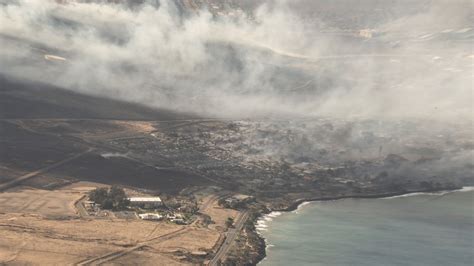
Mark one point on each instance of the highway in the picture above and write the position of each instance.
(231, 235)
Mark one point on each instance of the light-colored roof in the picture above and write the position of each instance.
(145, 199)
(150, 216)
(241, 196)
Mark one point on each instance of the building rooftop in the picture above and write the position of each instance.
(150, 216)
(241, 197)
(145, 199)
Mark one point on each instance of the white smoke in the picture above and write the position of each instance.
(276, 63)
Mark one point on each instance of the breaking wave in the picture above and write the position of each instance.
(441, 193)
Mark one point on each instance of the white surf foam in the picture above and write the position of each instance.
(465, 189)
(301, 206)
(441, 193)
(274, 214)
(262, 223)
(268, 218)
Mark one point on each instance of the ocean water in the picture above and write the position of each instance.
(415, 229)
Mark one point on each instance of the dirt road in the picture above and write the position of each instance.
(22, 178)
(116, 254)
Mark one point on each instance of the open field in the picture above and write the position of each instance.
(32, 145)
(121, 171)
(26, 150)
(218, 214)
(42, 226)
(9, 174)
(59, 203)
(148, 256)
(27, 238)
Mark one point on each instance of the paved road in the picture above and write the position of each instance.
(231, 235)
(22, 178)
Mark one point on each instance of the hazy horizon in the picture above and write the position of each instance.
(418, 64)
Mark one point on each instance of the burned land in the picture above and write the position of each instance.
(50, 161)
(206, 114)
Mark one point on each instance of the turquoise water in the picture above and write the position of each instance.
(420, 229)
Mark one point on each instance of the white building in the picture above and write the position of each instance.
(146, 202)
(150, 216)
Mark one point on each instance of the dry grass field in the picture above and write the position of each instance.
(31, 238)
(42, 227)
(219, 215)
(59, 203)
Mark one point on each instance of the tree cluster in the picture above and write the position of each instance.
(229, 222)
(110, 199)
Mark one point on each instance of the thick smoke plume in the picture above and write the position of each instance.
(374, 60)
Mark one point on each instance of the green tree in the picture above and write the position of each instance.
(107, 204)
(98, 195)
(229, 222)
(113, 198)
(118, 197)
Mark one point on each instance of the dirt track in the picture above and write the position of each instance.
(116, 254)
(22, 178)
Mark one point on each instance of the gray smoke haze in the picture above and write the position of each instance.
(291, 57)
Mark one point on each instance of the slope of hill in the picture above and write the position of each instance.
(25, 99)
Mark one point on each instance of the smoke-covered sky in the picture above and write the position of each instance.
(302, 58)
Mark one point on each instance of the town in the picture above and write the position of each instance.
(150, 132)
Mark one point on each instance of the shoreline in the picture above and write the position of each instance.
(301, 202)
(298, 202)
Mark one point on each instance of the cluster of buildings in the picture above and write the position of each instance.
(275, 156)
(237, 201)
(154, 203)
(140, 204)
(176, 218)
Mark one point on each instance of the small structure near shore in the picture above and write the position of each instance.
(237, 201)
